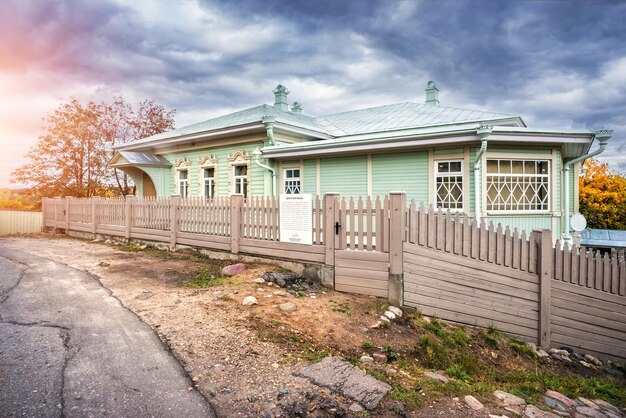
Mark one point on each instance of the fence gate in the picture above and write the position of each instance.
(362, 246)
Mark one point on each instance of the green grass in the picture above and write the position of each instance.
(208, 277)
(343, 308)
(458, 372)
(367, 345)
(521, 348)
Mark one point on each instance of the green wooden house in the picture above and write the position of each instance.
(490, 165)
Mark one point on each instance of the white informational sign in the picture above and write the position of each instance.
(296, 218)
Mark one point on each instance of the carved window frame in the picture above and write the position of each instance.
(182, 164)
(205, 162)
(239, 158)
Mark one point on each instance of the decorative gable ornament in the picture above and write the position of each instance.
(239, 156)
(207, 160)
(182, 163)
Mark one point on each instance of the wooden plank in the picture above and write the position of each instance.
(592, 315)
(432, 228)
(369, 223)
(578, 342)
(467, 236)
(360, 264)
(282, 246)
(448, 312)
(599, 273)
(362, 255)
(449, 232)
(587, 301)
(582, 327)
(422, 219)
(456, 285)
(606, 273)
(515, 263)
(585, 291)
(524, 252)
(422, 252)
(413, 274)
(500, 245)
(611, 343)
(484, 243)
(203, 243)
(614, 275)
(280, 254)
(371, 279)
(361, 290)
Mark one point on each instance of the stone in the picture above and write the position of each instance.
(585, 364)
(379, 358)
(437, 376)
(554, 404)
(586, 402)
(342, 377)
(367, 359)
(593, 360)
(355, 407)
(384, 318)
(144, 295)
(249, 300)
(259, 280)
(605, 405)
(508, 398)
(473, 403)
(497, 416)
(281, 282)
(397, 311)
(590, 412)
(288, 307)
(513, 411)
(390, 315)
(233, 269)
(532, 411)
(561, 398)
(541, 353)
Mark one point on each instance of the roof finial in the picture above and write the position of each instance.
(296, 107)
(432, 93)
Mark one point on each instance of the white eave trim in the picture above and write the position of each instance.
(185, 139)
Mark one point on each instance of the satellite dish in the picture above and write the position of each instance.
(578, 222)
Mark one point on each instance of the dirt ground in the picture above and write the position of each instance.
(243, 358)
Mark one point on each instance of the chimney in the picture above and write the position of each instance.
(296, 107)
(432, 94)
(280, 98)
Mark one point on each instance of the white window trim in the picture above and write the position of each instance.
(462, 173)
(518, 157)
(235, 179)
(182, 164)
(239, 158)
(285, 167)
(208, 161)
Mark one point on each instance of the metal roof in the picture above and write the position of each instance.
(144, 158)
(370, 120)
(609, 238)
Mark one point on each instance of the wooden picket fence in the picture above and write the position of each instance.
(439, 262)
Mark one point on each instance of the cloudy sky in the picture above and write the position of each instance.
(559, 64)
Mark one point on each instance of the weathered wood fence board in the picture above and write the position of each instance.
(21, 222)
(445, 263)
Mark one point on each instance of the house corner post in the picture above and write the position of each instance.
(327, 275)
(94, 215)
(128, 210)
(67, 214)
(545, 270)
(236, 208)
(174, 213)
(397, 209)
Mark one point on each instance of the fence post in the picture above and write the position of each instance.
(43, 214)
(94, 215)
(174, 207)
(128, 207)
(67, 215)
(56, 213)
(236, 205)
(397, 207)
(331, 206)
(545, 270)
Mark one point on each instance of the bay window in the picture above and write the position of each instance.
(517, 185)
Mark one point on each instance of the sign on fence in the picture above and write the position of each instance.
(296, 221)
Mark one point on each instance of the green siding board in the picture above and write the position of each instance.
(446, 151)
(407, 172)
(310, 176)
(522, 223)
(344, 175)
(496, 149)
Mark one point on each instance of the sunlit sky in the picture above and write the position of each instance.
(558, 64)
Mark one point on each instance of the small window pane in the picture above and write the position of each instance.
(241, 170)
(518, 167)
(455, 167)
(209, 172)
(182, 174)
(443, 167)
(492, 166)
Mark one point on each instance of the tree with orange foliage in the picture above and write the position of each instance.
(602, 196)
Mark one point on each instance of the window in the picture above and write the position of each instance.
(183, 184)
(449, 184)
(291, 181)
(240, 179)
(208, 181)
(518, 185)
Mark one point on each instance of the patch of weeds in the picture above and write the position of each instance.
(380, 306)
(367, 345)
(343, 308)
(435, 327)
(458, 337)
(410, 314)
(314, 355)
(208, 278)
(378, 375)
(391, 355)
(355, 361)
(299, 290)
(521, 348)
(489, 338)
(411, 398)
(458, 372)
(227, 298)
(433, 353)
(384, 324)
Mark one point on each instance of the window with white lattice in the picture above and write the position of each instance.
(518, 185)
(291, 181)
(449, 184)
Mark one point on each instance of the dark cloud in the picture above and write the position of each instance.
(557, 63)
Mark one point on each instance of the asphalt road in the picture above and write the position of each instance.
(70, 349)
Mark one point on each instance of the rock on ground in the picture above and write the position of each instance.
(561, 398)
(288, 307)
(344, 378)
(249, 300)
(233, 269)
(532, 411)
(473, 403)
(437, 376)
(508, 399)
